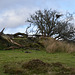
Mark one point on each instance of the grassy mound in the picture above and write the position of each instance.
(46, 43)
(27, 43)
(30, 43)
(38, 67)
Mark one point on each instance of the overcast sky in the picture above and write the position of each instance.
(13, 13)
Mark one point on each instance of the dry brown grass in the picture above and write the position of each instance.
(53, 45)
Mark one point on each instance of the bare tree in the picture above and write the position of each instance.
(45, 21)
(48, 23)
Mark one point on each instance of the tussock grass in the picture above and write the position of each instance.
(53, 45)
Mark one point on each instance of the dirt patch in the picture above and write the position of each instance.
(36, 66)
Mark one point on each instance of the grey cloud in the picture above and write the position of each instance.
(14, 18)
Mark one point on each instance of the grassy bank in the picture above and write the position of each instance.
(20, 56)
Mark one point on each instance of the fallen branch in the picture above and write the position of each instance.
(8, 39)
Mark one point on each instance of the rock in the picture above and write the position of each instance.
(27, 52)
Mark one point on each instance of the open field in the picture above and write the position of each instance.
(7, 56)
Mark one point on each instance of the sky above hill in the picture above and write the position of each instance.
(13, 13)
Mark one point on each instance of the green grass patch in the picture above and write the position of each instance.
(12, 56)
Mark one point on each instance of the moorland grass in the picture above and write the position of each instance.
(11, 56)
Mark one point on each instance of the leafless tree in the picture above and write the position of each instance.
(48, 23)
